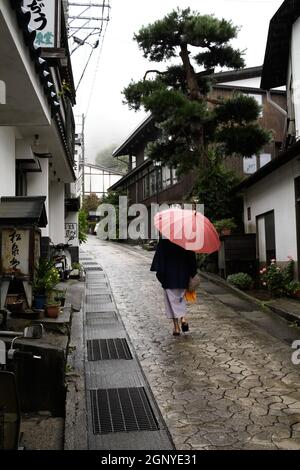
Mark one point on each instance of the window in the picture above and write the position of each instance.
(259, 100)
(166, 177)
(266, 236)
(174, 176)
(152, 183)
(264, 158)
(146, 186)
(250, 165)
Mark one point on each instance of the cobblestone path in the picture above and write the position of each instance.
(226, 384)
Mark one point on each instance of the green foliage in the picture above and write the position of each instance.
(206, 30)
(83, 226)
(177, 97)
(237, 109)
(76, 265)
(240, 280)
(242, 139)
(220, 56)
(90, 203)
(136, 92)
(224, 224)
(112, 197)
(46, 276)
(214, 190)
(278, 280)
(292, 287)
(160, 39)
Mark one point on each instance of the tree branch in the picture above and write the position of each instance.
(154, 71)
(213, 100)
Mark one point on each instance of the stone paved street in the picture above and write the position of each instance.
(225, 385)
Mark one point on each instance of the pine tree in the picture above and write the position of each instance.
(193, 124)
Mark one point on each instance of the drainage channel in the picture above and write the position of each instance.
(121, 411)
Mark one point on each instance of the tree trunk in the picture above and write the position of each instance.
(190, 73)
(196, 95)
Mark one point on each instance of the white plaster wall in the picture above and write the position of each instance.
(295, 58)
(276, 192)
(57, 212)
(9, 16)
(7, 162)
(38, 185)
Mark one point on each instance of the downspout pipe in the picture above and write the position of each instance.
(280, 109)
(275, 105)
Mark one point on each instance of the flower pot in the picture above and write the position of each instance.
(52, 311)
(39, 301)
(296, 295)
(16, 307)
(226, 231)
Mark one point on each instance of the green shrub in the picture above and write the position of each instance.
(240, 280)
(277, 279)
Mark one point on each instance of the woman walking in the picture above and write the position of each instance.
(174, 266)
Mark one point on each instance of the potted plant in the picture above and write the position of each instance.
(75, 272)
(45, 279)
(52, 309)
(225, 226)
(60, 296)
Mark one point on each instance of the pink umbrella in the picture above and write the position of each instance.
(189, 229)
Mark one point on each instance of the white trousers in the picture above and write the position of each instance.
(175, 303)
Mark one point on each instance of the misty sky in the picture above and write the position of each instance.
(108, 121)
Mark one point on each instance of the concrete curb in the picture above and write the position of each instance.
(289, 316)
(75, 432)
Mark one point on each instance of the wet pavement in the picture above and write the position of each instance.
(228, 383)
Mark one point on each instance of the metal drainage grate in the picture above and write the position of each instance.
(92, 268)
(121, 410)
(113, 348)
(102, 318)
(101, 315)
(98, 298)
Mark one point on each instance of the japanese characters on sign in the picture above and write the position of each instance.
(71, 231)
(43, 19)
(15, 251)
(14, 237)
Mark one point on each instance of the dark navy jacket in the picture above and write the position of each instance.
(173, 265)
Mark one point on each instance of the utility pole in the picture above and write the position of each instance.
(84, 16)
(82, 154)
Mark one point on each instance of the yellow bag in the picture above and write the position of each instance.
(190, 296)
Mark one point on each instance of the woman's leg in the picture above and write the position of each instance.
(175, 307)
(176, 331)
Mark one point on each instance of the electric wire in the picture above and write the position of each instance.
(95, 72)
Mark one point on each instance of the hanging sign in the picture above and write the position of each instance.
(15, 251)
(44, 20)
(70, 231)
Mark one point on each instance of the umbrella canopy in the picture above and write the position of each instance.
(189, 229)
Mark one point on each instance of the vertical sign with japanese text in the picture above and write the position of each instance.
(44, 20)
(15, 251)
(70, 231)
